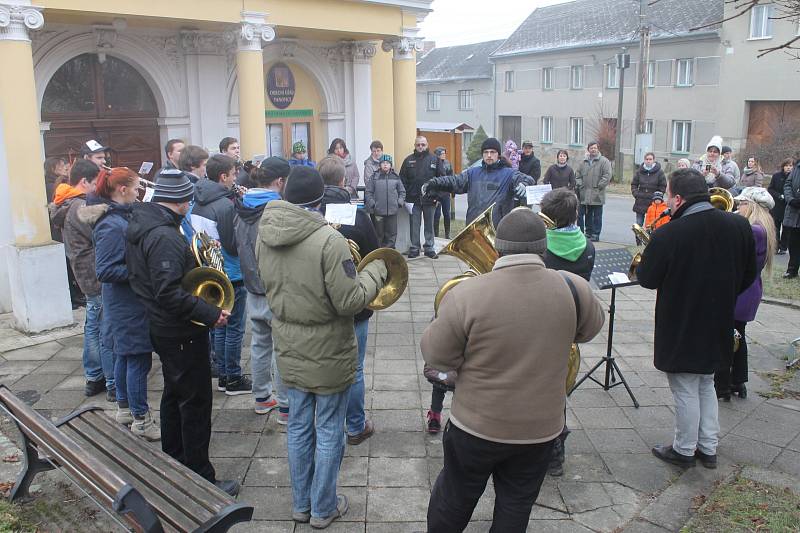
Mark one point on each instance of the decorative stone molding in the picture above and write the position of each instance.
(16, 21)
(254, 31)
(105, 39)
(403, 47)
(204, 42)
(288, 46)
(358, 51)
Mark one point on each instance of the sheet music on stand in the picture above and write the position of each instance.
(611, 268)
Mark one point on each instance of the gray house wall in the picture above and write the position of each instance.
(479, 115)
(666, 102)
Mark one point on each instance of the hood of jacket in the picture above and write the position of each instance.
(655, 170)
(149, 216)
(336, 195)
(566, 244)
(251, 206)
(64, 192)
(285, 224)
(91, 213)
(207, 191)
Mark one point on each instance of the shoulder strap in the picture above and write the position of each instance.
(574, 292)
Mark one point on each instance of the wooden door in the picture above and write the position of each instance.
(109, 102)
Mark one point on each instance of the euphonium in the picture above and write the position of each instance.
(208, 281)
(475, 246)
(721, 198)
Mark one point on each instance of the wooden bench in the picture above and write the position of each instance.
(125, 475)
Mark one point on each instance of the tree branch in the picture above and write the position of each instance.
(745, 9)
(788, 44)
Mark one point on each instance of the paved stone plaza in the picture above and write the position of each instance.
(611, 479)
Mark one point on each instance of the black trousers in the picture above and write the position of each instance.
(518, 471)
(186, 401)
(781, 233)
(794, 250)
(733, 367)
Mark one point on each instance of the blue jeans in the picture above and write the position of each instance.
(228, 339)
(640, 219)
(98, 360)
(315, 441)
(590, 220)
(356, 419)
(261, 352)
(130, 374)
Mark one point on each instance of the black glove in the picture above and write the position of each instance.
(795, 202)
(429, 190)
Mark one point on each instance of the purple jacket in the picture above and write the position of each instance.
(747, 302)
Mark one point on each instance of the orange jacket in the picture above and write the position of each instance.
(64, 192)
(653, 212)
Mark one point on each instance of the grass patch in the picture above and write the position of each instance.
(777, 287)
(743, 505)
(13, 518)
(778, 381)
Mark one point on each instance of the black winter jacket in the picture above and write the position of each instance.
(645, 183)
(531, 166)
(775, 189)
(791, 195)
(362, 233)
(158, 257)
(417, 169)
(699, 262)
(582, 266)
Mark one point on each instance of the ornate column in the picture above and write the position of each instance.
(250, 73)
(33, 279)
(404, 90)
(404, 74)
(358, 57)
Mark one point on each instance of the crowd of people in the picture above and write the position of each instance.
(295, 281)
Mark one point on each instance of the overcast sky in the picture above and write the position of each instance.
(455, 22)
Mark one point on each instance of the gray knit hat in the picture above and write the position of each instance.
(521, 232)
(173, 187)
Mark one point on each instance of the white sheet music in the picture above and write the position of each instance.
(535, 193)
(618, 278)
(344, 214)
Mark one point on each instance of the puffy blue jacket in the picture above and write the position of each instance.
(126, 329)
(485, 185)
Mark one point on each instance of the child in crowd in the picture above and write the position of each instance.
(384, 195)
(442, 382)
(656, 209)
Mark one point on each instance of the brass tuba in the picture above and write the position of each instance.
(475, 246)
(208, 281)
(721, 198)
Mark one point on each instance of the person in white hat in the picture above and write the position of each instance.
(754, 205)
(718, 172)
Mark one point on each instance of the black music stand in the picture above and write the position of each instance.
(606, 262)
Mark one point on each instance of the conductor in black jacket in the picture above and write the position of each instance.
(158, 257)
(699, 262)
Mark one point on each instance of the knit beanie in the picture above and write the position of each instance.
(658, 195)
(298, 148)
(304, 187)
(385, 157)
(173, 187)
(491, 144)
(275, 167)
(716, 141)
(521, 232)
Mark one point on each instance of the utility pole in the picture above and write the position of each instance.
(643, 143)
(623, 62)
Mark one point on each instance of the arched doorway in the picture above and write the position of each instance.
(104, 100)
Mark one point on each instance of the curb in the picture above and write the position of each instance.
(792, 304)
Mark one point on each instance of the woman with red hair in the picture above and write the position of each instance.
(125, 323)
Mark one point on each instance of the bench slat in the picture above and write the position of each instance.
(190, 483)
(115, 457)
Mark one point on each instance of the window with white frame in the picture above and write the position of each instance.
(612, 76)
(576, 77)
(547, 79)
(681, 136)
(465, 99)
(649, 126)
(761, 21)
(576, 131)
(685, 73)
(547, 130)
(509, 81)
(467, 139)
(433, 100)
(651, 73)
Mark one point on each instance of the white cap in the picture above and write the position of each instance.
(757, 195)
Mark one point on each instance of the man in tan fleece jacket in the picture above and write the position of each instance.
(510, 395)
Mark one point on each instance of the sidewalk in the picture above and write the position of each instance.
(611, 479)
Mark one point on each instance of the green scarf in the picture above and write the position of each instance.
(566, 244)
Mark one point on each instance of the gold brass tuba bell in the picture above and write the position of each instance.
(396, 281)
(208, 281)
(721, 198)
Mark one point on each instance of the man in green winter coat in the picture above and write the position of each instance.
(314, 291)
(591, 180)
